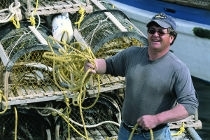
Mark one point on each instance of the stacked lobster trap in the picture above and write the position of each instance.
(36, 72)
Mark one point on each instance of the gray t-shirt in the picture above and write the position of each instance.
(152, 86)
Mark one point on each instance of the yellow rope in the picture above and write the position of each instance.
(69, 67)
(181, 130)
(151, 134)
(63, 34)
(70, 61)
(32, 18)
(131, 135)
(15, 21)
(66, 100)
(135, 127)
(5, 99)
(82, 13)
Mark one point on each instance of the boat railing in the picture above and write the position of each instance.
(204, 4)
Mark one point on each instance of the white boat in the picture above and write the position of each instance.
(192, 49)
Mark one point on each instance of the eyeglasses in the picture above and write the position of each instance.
(159, 31)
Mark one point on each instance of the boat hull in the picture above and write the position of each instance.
(191, 49)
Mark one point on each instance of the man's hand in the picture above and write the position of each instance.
(90, 67)
(99, 67)
(148, 122)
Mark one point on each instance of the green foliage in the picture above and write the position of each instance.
(200, 32)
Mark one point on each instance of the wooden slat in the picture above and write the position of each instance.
(10, 94)
(32, 92)
(48, 91)
(45, 8)
(110, 16)
(107, 79)
(38, 91)
(79, 38)
(20, 92)
(188, 122)
(106, 89)
(38, 35)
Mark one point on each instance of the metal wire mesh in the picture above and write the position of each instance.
(37, 122)
(5, 3)
(29, 73)
(28, 78)
(27, 124)
(105, 38)
(31, 70)
(20, 39)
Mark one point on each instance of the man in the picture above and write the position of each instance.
(159, 87)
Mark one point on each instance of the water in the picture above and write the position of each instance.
(203, 90)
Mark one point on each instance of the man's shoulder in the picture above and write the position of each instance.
(176, 60)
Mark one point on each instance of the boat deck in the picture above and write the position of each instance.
(188, 10)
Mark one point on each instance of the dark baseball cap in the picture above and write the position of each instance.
(165, 21)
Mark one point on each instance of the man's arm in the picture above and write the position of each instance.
(175, 114)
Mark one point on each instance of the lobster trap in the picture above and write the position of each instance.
(29, 77)
(26, 122)
(28, 83)
(110, 31)
(25, 71)
(102, 120)
(36, 85)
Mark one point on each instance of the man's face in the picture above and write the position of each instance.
(159, 38)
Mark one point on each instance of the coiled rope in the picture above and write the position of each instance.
(68, 67)
(5, 99)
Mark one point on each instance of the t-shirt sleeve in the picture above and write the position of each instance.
(185, 91)
(116, 65)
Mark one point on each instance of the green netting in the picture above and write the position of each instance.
(26, 65)
(5, 3)
(105, 38)
(30, 125)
